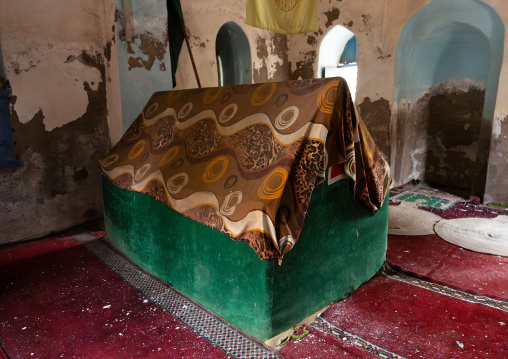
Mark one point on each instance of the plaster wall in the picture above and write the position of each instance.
(377, 26)
(54, 58)
(143, 61)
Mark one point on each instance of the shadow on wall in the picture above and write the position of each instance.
(234, 65)
(447, 70)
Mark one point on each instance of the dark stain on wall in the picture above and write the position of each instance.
(453, 137)
(152, 48)
(498, 168)
(282, 71)
(331, 16)
(262, 50)
(107, 50)
(278, 46)
(58, 184)
(376, 116)
(304, 69)
(311, 40)
(442, 136)
(366, 18)
(380, 55)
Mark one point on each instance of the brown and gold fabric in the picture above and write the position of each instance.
(244, 160)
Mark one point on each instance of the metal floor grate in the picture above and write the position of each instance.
(208, 325)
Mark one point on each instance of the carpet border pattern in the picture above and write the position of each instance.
(214, 329)
(354, 340)
(445, 290)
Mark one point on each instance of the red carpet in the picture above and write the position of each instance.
(418, 323)
(58, 299)
(434, 259)
(317, 345)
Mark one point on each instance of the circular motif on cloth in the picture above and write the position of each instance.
(151, 110)
(231, 181)
(168, 156)
(141, 172)
(283, 214)
(327, 96)
(215, 169)
(184, 98)
(109, 160)
(287, 117)
(281, 100)
(184, 111)
(177, 164)
(137, 149)
(177, 182)
(144, 157)
(273, 185)
(286, 5)
(232, 200)
(227, 113)
(263, 93)
(225, 98)
(211, 94)
(172, 96)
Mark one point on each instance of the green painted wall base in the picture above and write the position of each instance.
(341, 246)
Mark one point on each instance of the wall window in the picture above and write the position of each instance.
(338, 56)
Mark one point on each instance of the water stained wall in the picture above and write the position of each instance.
(59, 115)
(143, 57)
(447, 73)
(441, 134)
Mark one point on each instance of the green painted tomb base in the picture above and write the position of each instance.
(342, 245)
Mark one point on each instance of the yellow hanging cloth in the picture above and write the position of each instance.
(283, 16)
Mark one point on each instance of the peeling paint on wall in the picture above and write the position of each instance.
(376, 116)
(58, 184)
(445, 125)
(144, 63)
(496, 188)
(331, 16)
(273, 64)
(63, 80)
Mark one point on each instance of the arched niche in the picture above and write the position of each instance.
(447, 68)
(232, 49)
(338, 56)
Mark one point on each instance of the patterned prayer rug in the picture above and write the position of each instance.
(426, 196)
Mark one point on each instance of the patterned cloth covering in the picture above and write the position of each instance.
(245, 159)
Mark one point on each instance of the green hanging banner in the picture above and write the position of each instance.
(175, 33)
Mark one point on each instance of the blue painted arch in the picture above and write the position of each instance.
(450, 40)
